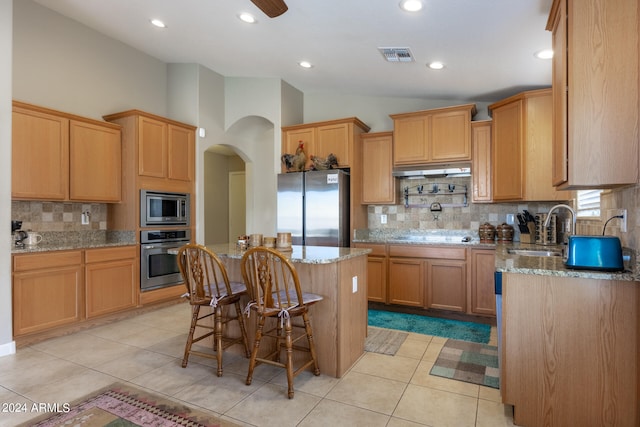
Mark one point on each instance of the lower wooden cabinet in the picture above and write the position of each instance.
(458, 279)
(428, 276)
(406, 281)
(47, 291)
(446, 285)
(111, 280)
(570, 350)
(483, 299)
(376, 271)
(59, 288)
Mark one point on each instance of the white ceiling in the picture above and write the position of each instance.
(487, 46)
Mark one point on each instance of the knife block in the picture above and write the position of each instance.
(531, 236)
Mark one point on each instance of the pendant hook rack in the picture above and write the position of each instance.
(434, 189)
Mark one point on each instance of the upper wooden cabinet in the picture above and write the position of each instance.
(433, 136)
(481, 161)
(59, 156)
(595, 92)
(164, 149)
(152, 147)
(521, 148)
(378, 184)
(322, 138)
(159, 155)
(95, 159)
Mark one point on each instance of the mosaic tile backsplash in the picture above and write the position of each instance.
(60, 222)
(59, 216)
(454, 215)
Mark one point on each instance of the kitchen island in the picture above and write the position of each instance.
(570, 342)
(339, 321)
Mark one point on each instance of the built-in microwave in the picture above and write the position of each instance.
(162, 208)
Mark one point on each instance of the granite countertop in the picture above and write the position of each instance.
(421, 237)
(298, 254)
(505, 262)
(552, 265)
(62, 241)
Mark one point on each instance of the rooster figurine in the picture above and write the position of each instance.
(295, 162)
(321, 164)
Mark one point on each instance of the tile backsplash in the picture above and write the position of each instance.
(59, 216)
(455, 216)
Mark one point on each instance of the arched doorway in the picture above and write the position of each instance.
(246, 147)
(225, 194)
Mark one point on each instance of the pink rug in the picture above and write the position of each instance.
(121, 405)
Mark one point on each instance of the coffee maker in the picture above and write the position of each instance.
(17, 234)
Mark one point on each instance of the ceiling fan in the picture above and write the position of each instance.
(271, 8)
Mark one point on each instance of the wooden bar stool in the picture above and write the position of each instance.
(208, 286)
(274, 289)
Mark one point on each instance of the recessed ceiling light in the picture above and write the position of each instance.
(436, 65)
(247, 17)
(158, 23)
(411, 5)
(305, 64)
(544, 54)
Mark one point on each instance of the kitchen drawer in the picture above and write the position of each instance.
(28, 262)
(377, 249)
(427, 251)
(110, 254)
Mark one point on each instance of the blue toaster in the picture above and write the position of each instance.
(602, 253)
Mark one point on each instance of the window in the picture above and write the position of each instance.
(588, 202)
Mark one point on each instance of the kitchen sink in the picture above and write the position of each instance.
(534, 252)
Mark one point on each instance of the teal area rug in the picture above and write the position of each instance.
(466, 331)
(469, 362)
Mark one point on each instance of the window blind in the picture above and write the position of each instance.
(588, 202)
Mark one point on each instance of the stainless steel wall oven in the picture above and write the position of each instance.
(159, 268)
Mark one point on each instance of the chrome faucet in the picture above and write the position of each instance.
(570, 209)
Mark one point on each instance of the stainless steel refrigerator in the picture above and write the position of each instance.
(314, 207)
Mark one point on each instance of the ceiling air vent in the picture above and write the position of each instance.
(396, 54)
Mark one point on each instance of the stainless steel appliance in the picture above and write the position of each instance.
(159, 268)
(314, 207)
(162, 208)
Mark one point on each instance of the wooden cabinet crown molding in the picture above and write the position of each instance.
(37, 108)
(128, 113)
(471, 107)
(354, 120)
(519, 96)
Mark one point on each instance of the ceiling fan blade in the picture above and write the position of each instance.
(271, 8)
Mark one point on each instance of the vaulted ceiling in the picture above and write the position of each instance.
(487, 47)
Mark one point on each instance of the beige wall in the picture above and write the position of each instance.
(61, 64)
(7, 346)
(216, 186)
(374, 111)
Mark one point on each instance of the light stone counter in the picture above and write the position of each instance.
(63, 241)
(550, 265)
(298, 254)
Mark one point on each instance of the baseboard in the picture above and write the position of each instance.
(8, 349)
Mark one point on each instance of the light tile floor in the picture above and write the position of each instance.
(146, 350)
